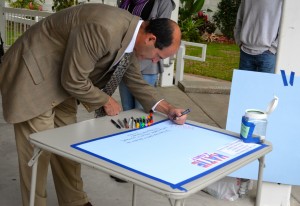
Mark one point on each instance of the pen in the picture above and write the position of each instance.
(115, 123)
(130, 122)
(120, 123)
(126, 123)
(183, 113)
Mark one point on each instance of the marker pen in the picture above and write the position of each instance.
(120, 122)
(130, 123)
(126, 123)
(183, 113)
(115, 123)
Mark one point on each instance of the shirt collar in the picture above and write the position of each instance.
(130, 47)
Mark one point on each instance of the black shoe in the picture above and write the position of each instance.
(88, 204)
(118, 179)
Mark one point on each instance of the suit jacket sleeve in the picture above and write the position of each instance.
(86, 45)
(140, 89)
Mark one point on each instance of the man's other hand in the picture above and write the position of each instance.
(112, 107)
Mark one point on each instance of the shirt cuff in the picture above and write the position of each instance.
(153, 108)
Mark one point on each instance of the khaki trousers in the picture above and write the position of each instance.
(66, 173)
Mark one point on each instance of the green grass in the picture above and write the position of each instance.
(221, 60)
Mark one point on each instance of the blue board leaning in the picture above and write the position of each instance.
(254, 90)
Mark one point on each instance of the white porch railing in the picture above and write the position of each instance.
(181, 57)
(16, 21)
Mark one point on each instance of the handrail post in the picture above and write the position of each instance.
(180, 64)
(181, 56)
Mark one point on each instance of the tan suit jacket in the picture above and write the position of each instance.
(70, 53)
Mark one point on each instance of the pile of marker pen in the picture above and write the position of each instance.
(134, 123)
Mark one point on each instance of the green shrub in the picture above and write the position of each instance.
(190, 29)
(62, 4)
(188, 20)
(189, 8)
(26, 4)
(225, 17)
(207, 26)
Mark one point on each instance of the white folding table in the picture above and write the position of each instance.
(59, 141)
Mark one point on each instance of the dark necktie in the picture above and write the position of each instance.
(114, 81)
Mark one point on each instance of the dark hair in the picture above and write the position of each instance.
(163, 29)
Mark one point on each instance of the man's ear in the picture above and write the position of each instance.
(151, 39)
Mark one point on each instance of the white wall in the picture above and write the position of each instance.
(212, 5)
(288, 56)
(47, 6)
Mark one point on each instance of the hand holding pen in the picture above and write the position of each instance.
(177, 118)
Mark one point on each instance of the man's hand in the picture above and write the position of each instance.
(173, 113)
(176, 116)
(112, 107)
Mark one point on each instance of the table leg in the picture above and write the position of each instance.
(170, 201)
(133, 195)
(259, 180)
(179, 202)
(34, 163)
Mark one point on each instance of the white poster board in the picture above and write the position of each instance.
(169, 153)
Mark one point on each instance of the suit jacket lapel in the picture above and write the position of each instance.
(126, 41)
